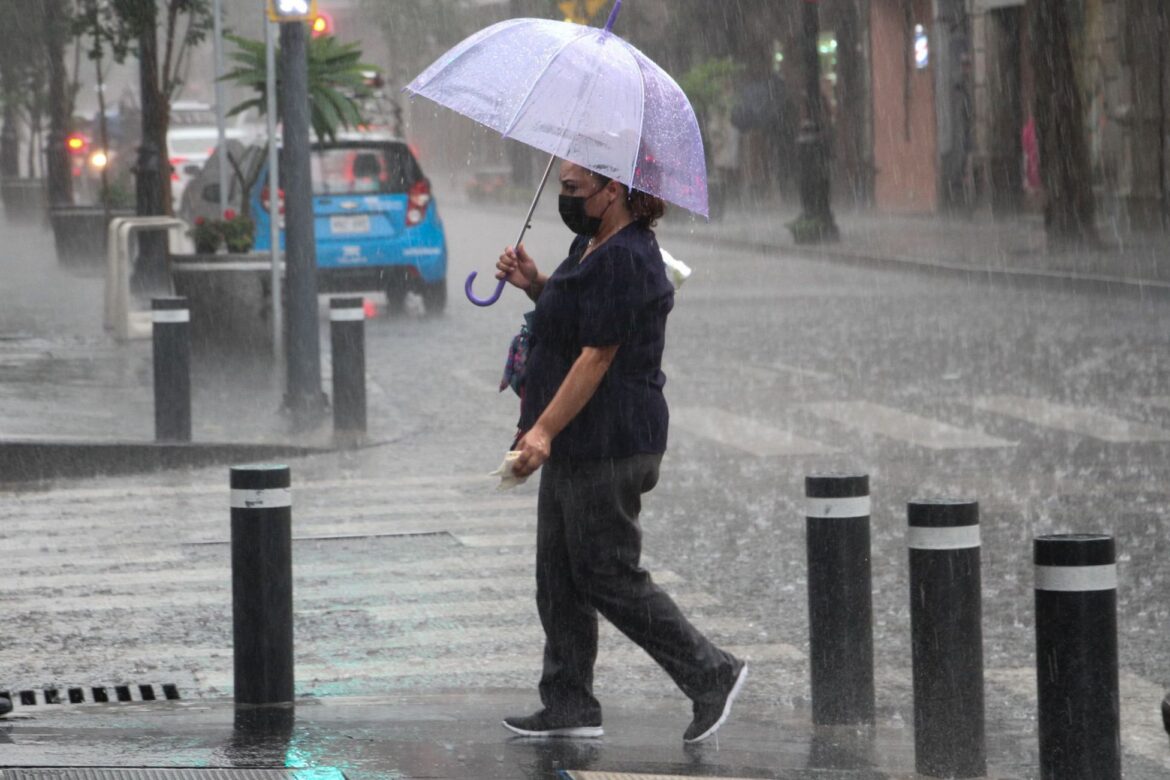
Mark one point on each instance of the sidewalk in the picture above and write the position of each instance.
(456, 734)
(50, 355)
(979, 246)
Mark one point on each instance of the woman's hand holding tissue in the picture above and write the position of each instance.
(534, 448)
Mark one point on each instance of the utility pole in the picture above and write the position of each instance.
(150, 271)
(304, 398)
(220, 108)
(815, 224)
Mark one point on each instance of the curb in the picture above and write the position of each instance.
(1071, 279)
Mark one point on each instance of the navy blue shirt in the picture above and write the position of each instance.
(618, 295)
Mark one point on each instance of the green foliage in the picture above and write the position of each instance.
(23, 87)
(708, 84)
(119, 194)
(337, 82)
(186, 24)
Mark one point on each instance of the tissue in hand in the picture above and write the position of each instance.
(508, 479)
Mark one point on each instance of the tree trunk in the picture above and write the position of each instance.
(1069, 208)
(9, 134)
(56, 16)
(152, 171)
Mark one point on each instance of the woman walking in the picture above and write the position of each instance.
(594, 417)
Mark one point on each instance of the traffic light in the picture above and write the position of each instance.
(76, 143)
(292, 10)
(322, 24)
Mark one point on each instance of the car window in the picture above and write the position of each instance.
(192, 146)
(356, 170)
(193, 117)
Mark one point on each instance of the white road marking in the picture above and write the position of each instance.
(141, 516)
(218, 592)
(1093, 423)
(893, 423)
(469, 562)
(451, 610)
(742, 433)
(477, 380)
(497, 540)
(806, 373)
(62, 494)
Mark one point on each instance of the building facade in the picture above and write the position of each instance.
(1121, 50)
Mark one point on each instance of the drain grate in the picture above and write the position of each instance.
(95, 694)
(92, 773)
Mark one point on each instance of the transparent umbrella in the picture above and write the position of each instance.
(579, 93)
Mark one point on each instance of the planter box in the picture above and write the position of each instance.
(230, 297)
(25, 200)
(80, 233)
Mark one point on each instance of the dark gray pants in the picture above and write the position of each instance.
(588, 548)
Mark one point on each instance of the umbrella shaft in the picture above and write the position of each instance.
(536, 199)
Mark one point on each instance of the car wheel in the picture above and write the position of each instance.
(435, 297)
(395, 298)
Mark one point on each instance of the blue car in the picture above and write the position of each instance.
(376, 221)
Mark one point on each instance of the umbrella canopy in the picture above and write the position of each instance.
(579, 93)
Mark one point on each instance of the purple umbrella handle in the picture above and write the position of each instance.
(482, 301)
(527, 224)
(613, 15)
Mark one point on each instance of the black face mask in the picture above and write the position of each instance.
(572, 208)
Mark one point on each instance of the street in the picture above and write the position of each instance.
(1047, 405)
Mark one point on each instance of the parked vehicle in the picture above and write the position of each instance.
(192, 137)
(376, 221)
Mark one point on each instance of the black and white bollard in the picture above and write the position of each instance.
(348, 337)
(840, 599)
(1166, 713)
(1076, 657)
(946, 627)
(262, 600)
(172, 369)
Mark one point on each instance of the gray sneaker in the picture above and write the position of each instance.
(542, 724)
(709, 717)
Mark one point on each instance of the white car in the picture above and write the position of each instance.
(191, 140)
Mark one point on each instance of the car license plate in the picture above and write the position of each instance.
(350, 223)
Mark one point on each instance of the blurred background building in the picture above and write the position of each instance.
(930, 103)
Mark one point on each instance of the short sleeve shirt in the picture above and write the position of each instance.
(618, 295)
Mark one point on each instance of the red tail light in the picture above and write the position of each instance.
(417, 202)
(176, 162)
(264, 198)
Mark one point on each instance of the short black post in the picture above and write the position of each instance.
(1076, 657)
(1166, 713)
(946, 628)
(348, 336)
(172, 369)
(262, 602)
(840, 599)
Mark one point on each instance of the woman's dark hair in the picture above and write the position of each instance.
(646, 209)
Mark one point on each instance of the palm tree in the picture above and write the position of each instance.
(337, 82)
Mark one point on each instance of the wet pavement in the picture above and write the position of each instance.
(415, 626)
(456, 735)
